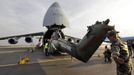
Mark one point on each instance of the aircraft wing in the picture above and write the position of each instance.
(128, 38)
(28, 37)
(24, 35)
(131, 38)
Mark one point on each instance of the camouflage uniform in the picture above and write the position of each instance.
(120, 50)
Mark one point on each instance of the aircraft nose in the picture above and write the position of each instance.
(55, 15)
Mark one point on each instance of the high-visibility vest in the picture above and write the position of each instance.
(46, 45)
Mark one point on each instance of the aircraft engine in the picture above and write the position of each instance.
(13, 41)
(28, 39)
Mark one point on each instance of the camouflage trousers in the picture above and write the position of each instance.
(120, 73)
(124, 69)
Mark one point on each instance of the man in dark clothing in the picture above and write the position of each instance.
(132, 49)
(129, 44)
(107, 55)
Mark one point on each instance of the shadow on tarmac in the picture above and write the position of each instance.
(27, 69)
(89, 63)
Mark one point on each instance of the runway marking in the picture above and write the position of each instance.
(53, 60)
(8, 65)
(39, 61)
(2, 52)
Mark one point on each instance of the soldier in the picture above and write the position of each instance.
(120, 54)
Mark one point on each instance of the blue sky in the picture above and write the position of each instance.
(26, 16)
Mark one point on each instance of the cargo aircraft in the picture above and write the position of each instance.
(55, 21)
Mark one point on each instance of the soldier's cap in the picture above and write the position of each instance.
(112, 32)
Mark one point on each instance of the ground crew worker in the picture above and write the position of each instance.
(120, 54)
(23, 60)
(46, 49)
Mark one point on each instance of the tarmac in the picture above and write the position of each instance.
(39, 64)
